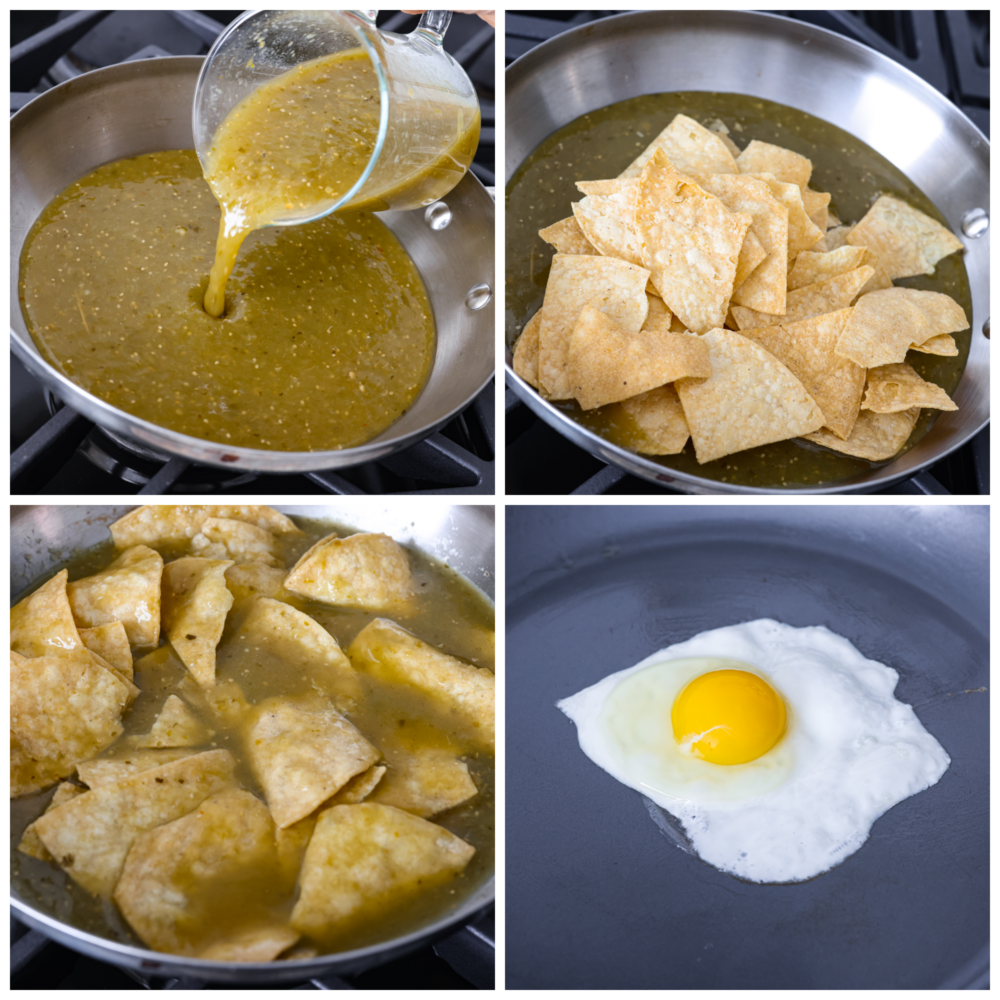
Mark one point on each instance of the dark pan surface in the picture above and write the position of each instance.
(597, 897)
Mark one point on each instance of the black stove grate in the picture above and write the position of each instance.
(948, 49)
(60, 451)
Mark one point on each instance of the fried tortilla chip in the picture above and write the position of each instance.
(30, 844)
(369, 859)
(652, 423)
(879, 279)
(614, 286)
(526, 351)
(608, 222)
(815, 203)
(802, 231)
(302, 753)
(42, 624)
(123, 764)
(359, 787)
(128, 591)
(751, 399)
(110, 642)
(203, 884)
(752, 255)
(158, 525)
(247, 581)
(390, 653)
(690, 147)
(607, 365)
(175, 726)
(892, 388)
(812, 267)
(837, 237)
(826, 296)
(886, 323)
(875, 436)
(807, 349)
(90, 836)
(721, 129)
(784, 164)
(943, 345)
(567, 237)
(276, 640)
(196, 601)
(365, 570)
(690, 243)
(424, 781)
(659, 316)
(63, 710)
(907, 241)
(222, 538)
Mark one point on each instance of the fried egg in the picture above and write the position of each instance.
(775, 747)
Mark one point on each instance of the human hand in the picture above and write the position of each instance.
(488, 16)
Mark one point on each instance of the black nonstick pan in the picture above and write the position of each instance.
(597, 896)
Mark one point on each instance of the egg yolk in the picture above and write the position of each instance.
(728, 717)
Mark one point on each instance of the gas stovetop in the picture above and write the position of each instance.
(57, 451)
(948, 49)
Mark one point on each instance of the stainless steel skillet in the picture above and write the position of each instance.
(810, 69)
(461, 536)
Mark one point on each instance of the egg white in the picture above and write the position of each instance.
(850, 751)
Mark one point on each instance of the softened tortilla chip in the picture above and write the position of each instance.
(907, 241)
(390, 653)
(30, 844)
(785, 165)
(892, 388)
(128, 591)
(63, 710)
(808, 349)
(123, 764)
(614, 286)
(247, 581)
(276, 640)
(365, 570)
(90, 836)
(607, 365)
(764, 288)
(751, 399)
(526, 350)
(158, 525)
(690, 147)
(203, 884)
(802, 232)
(815, 203)
(608, 222)
(826, 296)
(690, 243)
(292, 842)
(196, 601)
(884, 324)
(175, 726)
(567, 237)
(302, 753)
(652, 423)
(812, 267)
(943, 345)
(223, 538)
(367, 859)
(752, 255)
(875, 436)
(424, 781)
(42, 624)
(110, 642)
(359, 787)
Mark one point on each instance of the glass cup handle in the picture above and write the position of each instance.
(433, 24)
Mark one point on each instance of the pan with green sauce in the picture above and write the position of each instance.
(603, 143)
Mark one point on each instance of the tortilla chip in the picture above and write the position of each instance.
(810, 268)
(302, 754)
(424, 781)
(690, 243)
(222, 538)
(250, 580)
(128, 591)
(526, 351)
(837, 237)
(907, 241)
(815, 203)
(892, 388)
(123, 764)
(90, 836)
(875, 437)
(721, 129)
(175, 726)
(43, 625)
(387, 651)
(110, 642)
(652, 423)
(659, 317)
(196, 601)
(365, 570)
(807, 349)
(690, 147)
(885, 324)
(567, 237)
(359, 787)
(607, 365)
(367, 859)
(30, 843)
(802, 232)
(292, 841)
(826, 296)
(278, 641)
(943, 345)
(609, 222)
(752, 255)
(785, 165)
(158, 525)
(614, 286)
(751, 399)
(63, 710)
(203, 884)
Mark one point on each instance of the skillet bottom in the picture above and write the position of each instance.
(597, 895)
